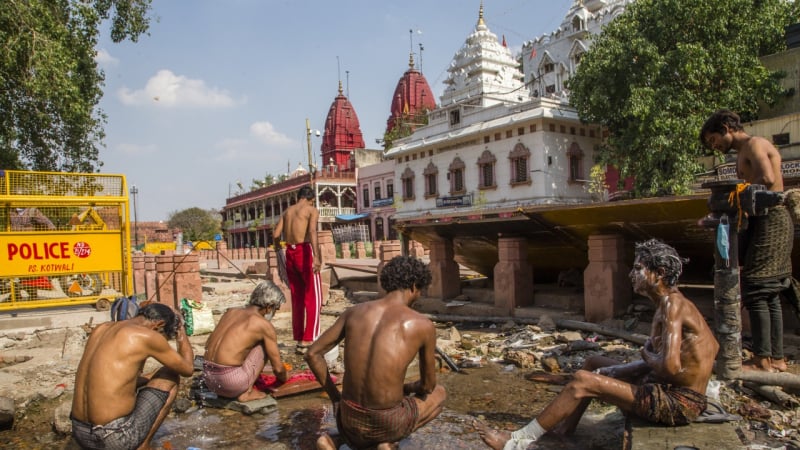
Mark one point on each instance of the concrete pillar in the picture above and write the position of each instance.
(446, 281)
(389, 249)
(607, 286)
(513, 283)
(328, 249)
(222, 255)
(361, 251)
(150, 277)
(187, 277)
(165, 280)
(138, 274)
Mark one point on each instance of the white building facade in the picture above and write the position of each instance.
(492, 145)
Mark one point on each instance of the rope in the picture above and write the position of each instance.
(735, 197)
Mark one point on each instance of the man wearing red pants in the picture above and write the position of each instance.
(303, 262)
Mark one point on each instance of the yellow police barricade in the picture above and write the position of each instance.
(64, 239)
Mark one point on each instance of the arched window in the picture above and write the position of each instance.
(486, 170)
(520, 172)
(431, 173)
(575, 158)
(407, 179)
(456, 172)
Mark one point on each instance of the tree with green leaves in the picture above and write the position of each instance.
(657, 71)
(196, 224)
(50, 84)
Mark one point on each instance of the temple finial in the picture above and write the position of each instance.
(480, 15)
(340, 87)
(411, 60)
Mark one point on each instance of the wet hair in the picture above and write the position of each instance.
(267, 295)
(306, 192)
(403, 272)
(717, 122)
(158, 311)
(655, 254)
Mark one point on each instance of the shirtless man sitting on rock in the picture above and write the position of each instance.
(376, 407)
(115, 406)
(666, 386)
(241, 343)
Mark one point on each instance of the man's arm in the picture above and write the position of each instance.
(315, 356)
(427, 361)
(273, 354)
(276, 233)
(312, 231)
(39, 217)
(181, 361)
(626, 371)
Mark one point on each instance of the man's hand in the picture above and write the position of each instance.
(317, 264)
(608, 371)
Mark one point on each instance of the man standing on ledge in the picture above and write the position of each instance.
(666, 386)
(303, 263)
(767, 241)
(376, 407)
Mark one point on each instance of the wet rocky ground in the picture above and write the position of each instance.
(495, 363)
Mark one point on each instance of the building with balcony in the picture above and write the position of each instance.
(248, 218)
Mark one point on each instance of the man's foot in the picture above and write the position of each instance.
(779, 364)
(493, 438)
(760, 363)
(325, 442)
(250, 395)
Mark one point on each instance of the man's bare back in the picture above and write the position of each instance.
(383, 338)
(109, 372)
(238, 331)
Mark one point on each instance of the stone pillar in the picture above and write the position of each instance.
(222, 255)
(376, 249)
(165, 280)
(345, 250)
(138, 274)
(361, 251)
(389, 249)
(150, 277)
(187, 277)
(513, 283)
(446, 281)
(607, 286)
(328, 249)
(417, 250)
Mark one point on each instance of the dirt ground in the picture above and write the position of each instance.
(496, 391)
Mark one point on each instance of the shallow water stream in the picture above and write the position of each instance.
(501, 396)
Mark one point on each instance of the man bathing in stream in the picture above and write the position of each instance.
(115, 405)
(376, 407)
(241, 343)
(666, 386)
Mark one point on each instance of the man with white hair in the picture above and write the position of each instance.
(242, 342)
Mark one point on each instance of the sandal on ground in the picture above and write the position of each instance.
(715, 413)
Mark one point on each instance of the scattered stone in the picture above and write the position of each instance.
(521, 359)
(468, 342)
(579, 346)
(546, 323)
(509, 325)
(181, 405)
(452, 334)
(550, 364)
(62, 424)
(7, 410)
(568, 336)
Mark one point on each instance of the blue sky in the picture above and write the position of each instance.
(219, 91)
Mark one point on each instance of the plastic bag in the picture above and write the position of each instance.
(723, 244)
(197, 317)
